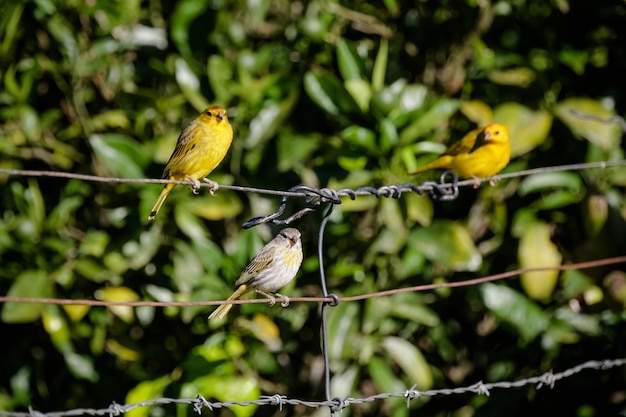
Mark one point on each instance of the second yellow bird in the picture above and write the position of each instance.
(481, 153)
(273, 267)
(201, 146)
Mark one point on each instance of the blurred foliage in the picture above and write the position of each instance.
(330, 95)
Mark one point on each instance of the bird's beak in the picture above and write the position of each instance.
(488, 135)
(221, 116)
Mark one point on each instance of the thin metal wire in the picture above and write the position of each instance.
(330, 298)
(324, 327)
(547, 379)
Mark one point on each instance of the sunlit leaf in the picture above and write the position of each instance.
(536, 250)
(361, 92)
(119, 153)
(528, 128)
(387, 98)
(28, 284)
(521, 76)
(329, 94)
(509, 306)
(477, 111)
(439, 112)
(225, 388)
(380, 65)
(119, 294)
(146, 390)
(448, 244)
(572, 112)
(343, 382)
(410, 359)
(350, 64)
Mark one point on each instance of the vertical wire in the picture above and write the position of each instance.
(320, 246)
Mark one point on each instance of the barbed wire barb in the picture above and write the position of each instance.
(336, 404)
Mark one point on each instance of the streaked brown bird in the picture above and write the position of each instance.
(201, 146)
(273, 267)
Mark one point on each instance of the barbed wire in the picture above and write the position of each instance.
(547, 379)
(392, 191)
(446, 189)
(325, 299)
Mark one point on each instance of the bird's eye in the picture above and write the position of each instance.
(208, 113)
(497, 132)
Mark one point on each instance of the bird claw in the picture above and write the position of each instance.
(272, 300)
(284, 300)
(213, 186)
(476, 182)
(195, 188)
(494, 179)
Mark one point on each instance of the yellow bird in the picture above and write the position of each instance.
(201, 146)
(481, 153)
(273, 267)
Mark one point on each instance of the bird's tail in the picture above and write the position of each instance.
(160, 200)
(443, 162)
(223, 310)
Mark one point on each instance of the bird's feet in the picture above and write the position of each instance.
(494, 179)
(213, 186)
(284, 300)
(195, 188)
(272, 299)
(477, 182)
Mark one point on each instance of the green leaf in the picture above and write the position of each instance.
(329, 94)
(189, 85)
(357, 135)
(294, 150)
(439, 112)
(342, 383)
(146, 390)
(410, 360)
(28, 284)
(386, 380)
(270, 119)
(386, 99)
(119, 294)
(350, 64)
(220, 74)
(181, 21)
(342, 328)
(477, 111)
(520, 76)
(226, 388)
(537, 250)
(604, 134)
(411, 101)
(388, 135)
(120, 154)
(528, 128)
(361, 92)
(380, 65)
(447, 244)
(549, 181)
(510, 307)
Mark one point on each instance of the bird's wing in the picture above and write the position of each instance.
(259, 263)
(468, 144)
(180, 149)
